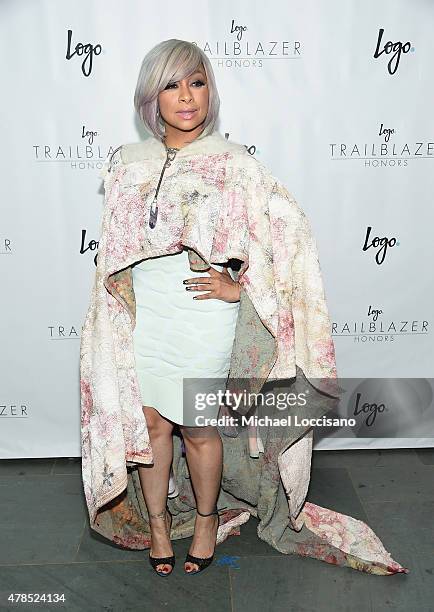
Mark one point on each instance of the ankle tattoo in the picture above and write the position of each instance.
(161, 514)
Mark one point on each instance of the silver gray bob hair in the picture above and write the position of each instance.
(172, 60)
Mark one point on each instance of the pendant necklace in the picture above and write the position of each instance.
(170, 156)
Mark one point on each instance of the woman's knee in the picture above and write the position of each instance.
(157, 425)
(199, 435)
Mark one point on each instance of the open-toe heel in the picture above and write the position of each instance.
(156, 561)
(201, 562)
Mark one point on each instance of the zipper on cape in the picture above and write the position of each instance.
(153, 214)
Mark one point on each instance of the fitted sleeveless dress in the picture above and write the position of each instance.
(182, 346)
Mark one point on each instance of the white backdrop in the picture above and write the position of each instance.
(348, 130)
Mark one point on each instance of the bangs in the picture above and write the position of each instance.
(169, 61)
(182, 62)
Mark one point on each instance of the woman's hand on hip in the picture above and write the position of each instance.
(218, 285)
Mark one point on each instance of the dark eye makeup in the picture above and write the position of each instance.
(169, 85)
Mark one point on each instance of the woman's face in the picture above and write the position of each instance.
(190, 94)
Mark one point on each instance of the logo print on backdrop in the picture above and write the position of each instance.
(375, 328)
(396, 47)
(374, 312)
(384, 153)
(83, 153)
(384, 408)
(251, 149)
(387, 132)
(88, 50)
(392, 407)
(6, 244)
(240, 51)
(381, 244)
(370, 410)
(92, 245)
(88, 134)
(61, 332)
(238, 29)
(12, 411)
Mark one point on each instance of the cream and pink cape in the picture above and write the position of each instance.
(221, 204)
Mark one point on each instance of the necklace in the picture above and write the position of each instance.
(170, 156)
(169, 148)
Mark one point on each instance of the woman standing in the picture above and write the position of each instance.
(176, 336)
(169, 306)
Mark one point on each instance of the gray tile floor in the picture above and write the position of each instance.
(46, 545)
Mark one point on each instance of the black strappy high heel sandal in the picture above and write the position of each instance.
(156, 561)
(202, 562)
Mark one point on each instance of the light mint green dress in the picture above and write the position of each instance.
(178, 338)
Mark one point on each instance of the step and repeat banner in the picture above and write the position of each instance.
(334, 97)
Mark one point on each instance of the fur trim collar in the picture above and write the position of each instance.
(152, 148)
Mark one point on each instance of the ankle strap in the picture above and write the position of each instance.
(215, 511)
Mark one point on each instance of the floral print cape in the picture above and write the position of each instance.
(221, 204)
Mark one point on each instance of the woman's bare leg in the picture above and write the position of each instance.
(204, 453)
(154, 480)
